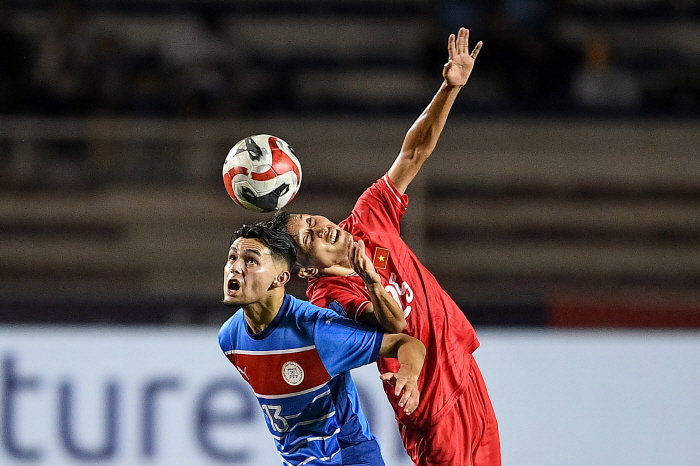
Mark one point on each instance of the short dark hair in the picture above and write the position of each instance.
(279, 221)
(278, 240)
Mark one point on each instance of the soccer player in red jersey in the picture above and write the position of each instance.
(455, 424)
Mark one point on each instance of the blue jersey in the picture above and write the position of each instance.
(298, 367)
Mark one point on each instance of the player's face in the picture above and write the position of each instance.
(321, 242)
(249, 273)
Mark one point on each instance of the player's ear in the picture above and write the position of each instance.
(306, 272)
(282, 278)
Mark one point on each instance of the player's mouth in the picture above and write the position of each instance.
(334, 236)
(232, 286)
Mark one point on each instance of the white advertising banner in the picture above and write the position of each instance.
(136, 396)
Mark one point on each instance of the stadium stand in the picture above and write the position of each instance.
(538, 205)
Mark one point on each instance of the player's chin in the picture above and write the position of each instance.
(229, 301)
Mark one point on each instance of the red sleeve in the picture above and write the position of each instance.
(380, 207)
(338, 293)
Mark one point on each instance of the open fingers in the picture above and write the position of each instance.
(476, 50)
(410, 399)
(357, 252)
(389, 377)
(463, 40)
(352, 250)
(459, 44)
(359, 249)
(409, 395)
(451, 46)
(399, 383)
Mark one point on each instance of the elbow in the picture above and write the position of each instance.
(423, 350)
(396, 325)
(420, 154)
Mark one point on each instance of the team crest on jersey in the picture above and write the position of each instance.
(381, 258)
(292, 373)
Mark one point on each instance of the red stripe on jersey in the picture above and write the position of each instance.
(281, 374)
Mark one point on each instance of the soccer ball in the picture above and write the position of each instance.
(262, 173)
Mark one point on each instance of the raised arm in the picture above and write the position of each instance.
(423, 135)
(383, 311)
(411, 353)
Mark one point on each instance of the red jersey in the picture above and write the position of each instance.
(431, 315)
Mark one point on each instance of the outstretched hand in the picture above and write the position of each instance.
(460, 64)
(361, 263)
(407, 387)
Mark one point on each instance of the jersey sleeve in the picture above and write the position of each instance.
(380, 207)
(225, 339)
(344, 344)
(338, 293)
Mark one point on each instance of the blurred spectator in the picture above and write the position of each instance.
(523, 51)
(201, 57)
(148, 94)
(61, 75)
(109, 72)
(454, 14)
(15, 68)
(61, 70)
(198, 67)
(601, 86)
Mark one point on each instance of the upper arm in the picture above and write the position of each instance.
(422, 137)
(344, 344)
(403, 170)
(391, 343)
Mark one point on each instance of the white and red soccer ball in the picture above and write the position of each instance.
(262, 173)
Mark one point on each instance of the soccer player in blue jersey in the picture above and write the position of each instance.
(297, 356)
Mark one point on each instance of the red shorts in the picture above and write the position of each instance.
(467, 435)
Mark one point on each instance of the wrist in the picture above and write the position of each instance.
(409, 370)
(454, 87)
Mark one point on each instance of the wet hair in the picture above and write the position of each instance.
(277, 239)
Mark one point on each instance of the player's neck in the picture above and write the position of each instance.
(260, 314)
(337, 270)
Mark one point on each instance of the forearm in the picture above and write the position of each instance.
(411, 355)
(422, 137)
(386, 311)
(383, 310)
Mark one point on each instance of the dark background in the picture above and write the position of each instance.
(115, 117)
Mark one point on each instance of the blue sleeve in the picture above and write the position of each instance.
(225, 336)
(344, 344)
